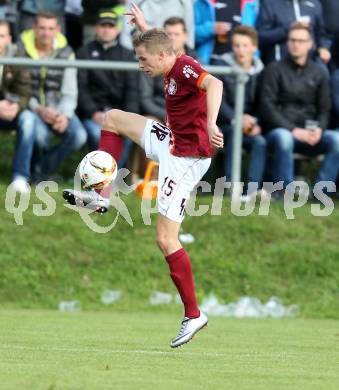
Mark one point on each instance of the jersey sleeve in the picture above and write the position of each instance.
(192, 74)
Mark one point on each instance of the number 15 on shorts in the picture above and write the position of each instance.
(167, 189)
(168, 186)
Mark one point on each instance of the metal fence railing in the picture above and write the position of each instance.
(241, 79)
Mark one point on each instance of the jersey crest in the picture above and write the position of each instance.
(172, 87)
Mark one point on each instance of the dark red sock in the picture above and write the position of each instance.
(111, 143)
(181, 274)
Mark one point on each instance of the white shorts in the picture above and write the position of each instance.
(177, 175)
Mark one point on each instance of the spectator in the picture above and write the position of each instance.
(156, 12)
(249, 12)
(295, 91)
(9, 12)
(14, 95)
(230, 14)
(91, 11)
(335, 51)
(207, 29)
(276, 16)
(54, 93)
(331, 17)
(227, 13)
(244, 47)
(103, 90)
(335, 83)
(29, 9)
(335, 95)
(73, 23)
(176, 29)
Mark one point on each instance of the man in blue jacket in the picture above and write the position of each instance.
(276, 16)
(207, 29)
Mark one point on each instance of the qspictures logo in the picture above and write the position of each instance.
(296, 195)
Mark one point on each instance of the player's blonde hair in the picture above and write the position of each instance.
(154, 41)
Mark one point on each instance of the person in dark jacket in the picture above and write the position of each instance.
(228, 12)
(276, 16)
(90, 15)
(244, 47)
(15, 91)
(101, 90)
(295, 110)
(335, 82)
(9, 12)
(331, 17)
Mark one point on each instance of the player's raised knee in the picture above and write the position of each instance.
(111, 120)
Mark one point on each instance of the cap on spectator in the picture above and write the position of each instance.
(107, 17)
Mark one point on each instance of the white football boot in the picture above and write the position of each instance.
(189, 327)
(89, 199)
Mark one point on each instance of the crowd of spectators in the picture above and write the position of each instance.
(288, 48)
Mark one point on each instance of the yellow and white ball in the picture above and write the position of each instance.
(97, 170)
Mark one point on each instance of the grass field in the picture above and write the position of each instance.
(119, 350)
(126, 346)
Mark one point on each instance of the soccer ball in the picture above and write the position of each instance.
(97, 170)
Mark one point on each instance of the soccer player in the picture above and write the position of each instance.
(183, 150)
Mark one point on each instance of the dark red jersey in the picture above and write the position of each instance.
(186, 109)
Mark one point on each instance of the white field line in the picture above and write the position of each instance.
(139, 351)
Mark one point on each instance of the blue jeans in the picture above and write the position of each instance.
(49, 160)
(282, 144)
(256, 145)
(93, 136)
(93, 133)
(24, 124)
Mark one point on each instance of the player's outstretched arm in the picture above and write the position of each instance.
(137, 18)
(213, 88)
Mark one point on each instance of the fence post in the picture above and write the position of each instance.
(237, 133)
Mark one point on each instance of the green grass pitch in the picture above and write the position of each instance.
(129, 350)
(126, 346)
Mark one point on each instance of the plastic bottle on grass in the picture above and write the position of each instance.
(69, 306)
(110, 296)
(158, 298)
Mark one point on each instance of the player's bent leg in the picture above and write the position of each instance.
(125, 124)
(117, 123)
(182, 276)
